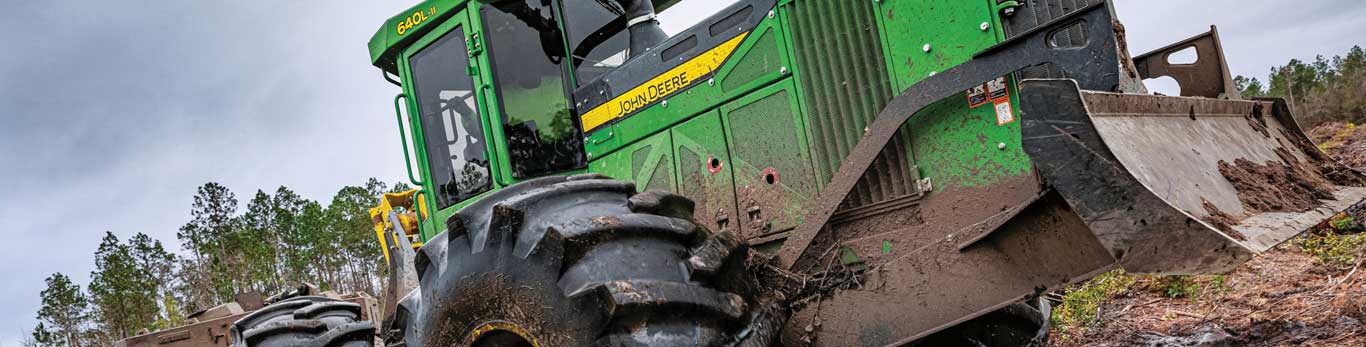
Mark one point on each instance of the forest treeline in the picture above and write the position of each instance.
(1324, 90)
(270, 244)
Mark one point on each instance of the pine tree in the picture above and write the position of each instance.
(293, 218)
(151, 258)
(207, 237)
(41, 337)
(1249, 87)
(64, 309)
(256, 242)
(352, 231)
(123, 290)
(111, 289)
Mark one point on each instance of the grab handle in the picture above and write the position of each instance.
(398, 113)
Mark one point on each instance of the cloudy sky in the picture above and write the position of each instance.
(112, 112)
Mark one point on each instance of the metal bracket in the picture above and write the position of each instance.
(1095, 64)
(1008, 8)
(475, 46)
(1207, 77)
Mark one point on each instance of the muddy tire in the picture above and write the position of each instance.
(576, 261)
(1020, 324)
(308, 321)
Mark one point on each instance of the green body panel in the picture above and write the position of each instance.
(951, 29)
(954, 144)
(705, 169)
(764, 117)
(762, 133)
(772, 166)
(766, 44)
(960, 146)
(648, 162)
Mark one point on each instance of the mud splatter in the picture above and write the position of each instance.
(1286, 186)
(1257, 122)
(607, 221)
(1222, 221)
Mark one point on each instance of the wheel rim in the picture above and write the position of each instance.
(500, 334)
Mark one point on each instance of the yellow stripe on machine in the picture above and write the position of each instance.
(661, 86)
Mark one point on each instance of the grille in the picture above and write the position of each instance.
(846, 84)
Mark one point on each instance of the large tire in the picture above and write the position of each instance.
(308, 321)
(576, 261)
(1019, 324)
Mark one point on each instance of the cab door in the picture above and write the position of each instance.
(535, 128)
(446, 111)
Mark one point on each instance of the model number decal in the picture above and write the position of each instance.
(661, 86)
(414, 19)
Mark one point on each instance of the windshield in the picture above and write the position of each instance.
(453, 135)
(527, 51)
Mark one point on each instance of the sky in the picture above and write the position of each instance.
(113, 112)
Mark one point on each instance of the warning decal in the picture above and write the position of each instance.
(997, 89)
(1004, 115)
(977, 96)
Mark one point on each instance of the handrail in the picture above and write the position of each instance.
(407, 163)
(492, 102)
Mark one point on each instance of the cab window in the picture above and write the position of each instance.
(597, 38)
(527, 51)
(454, 136)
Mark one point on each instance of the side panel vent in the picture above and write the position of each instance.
(845, 82)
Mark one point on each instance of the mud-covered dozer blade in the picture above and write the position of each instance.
(1143, 172)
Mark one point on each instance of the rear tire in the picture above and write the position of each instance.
(576, 261)
(308, 321)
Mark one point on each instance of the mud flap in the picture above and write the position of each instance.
(1181, 185)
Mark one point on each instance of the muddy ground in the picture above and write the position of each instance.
(1308, 292)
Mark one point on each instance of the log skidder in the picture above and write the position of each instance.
(928, 170)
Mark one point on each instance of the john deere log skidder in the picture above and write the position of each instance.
(816, 172)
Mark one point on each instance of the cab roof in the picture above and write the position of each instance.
(400, 30)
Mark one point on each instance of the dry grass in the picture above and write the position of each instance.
(1282, 297)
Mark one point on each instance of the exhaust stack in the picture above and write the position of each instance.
(642, 26)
